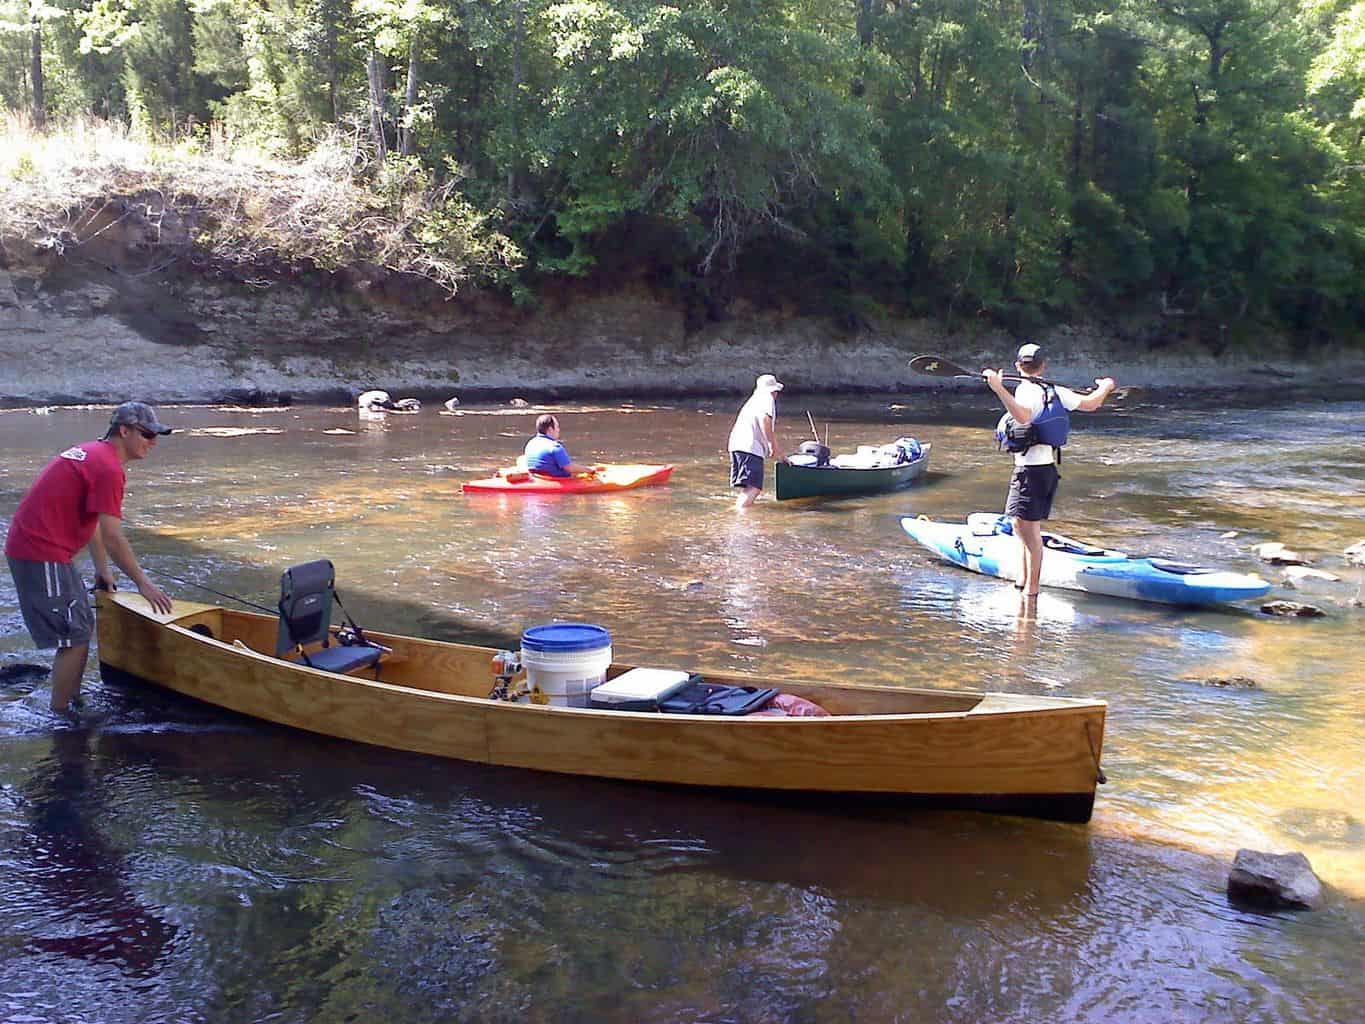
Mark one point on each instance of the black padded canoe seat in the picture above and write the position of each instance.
(307, 593)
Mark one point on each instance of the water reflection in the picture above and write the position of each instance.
(80, 904)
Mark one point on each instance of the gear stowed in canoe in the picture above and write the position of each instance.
(607, 478)
(985, 543)
(812, 472)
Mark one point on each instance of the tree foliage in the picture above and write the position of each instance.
(1015, 160)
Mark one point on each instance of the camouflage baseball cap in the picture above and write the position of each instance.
(137, 414)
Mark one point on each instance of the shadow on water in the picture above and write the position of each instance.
(77, 876)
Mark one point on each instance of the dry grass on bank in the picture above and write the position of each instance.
(240, 209)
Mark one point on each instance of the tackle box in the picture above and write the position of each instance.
(640, 689)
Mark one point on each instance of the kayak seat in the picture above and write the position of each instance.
(1071, 547)
(1178, 568)
(307, 593)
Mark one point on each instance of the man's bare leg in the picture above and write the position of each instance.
(67, 669)
(1030, 534)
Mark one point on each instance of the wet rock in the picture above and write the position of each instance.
(22, 672)
(1298, 573)
(519, 403)
(694, 585)
(1277, 554)
(1292, 609)
(1355, 554)
(451, 404)
(1269, 881)
(1227, 536)
(1230, 682)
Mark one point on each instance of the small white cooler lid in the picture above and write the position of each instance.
(642, 684)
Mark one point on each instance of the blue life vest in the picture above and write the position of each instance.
(1051, 425)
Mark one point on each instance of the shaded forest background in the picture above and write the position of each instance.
(1018, 163)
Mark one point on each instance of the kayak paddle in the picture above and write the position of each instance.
(937, 366)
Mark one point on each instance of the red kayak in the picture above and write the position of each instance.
(608, 478)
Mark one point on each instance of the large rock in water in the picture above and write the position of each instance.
(1292, 609)
(1274, 881)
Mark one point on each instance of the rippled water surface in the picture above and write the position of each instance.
(164, 861)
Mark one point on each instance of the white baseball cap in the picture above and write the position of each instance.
(1030, 353)
(767, 382)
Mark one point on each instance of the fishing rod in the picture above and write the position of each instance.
(355, 626)
(219, 593)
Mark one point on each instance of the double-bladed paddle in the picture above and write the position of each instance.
(937, 366)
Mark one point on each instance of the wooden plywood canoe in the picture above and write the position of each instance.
(610, 478)
(992, 751)
(797, 481)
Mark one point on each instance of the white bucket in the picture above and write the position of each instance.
(566, 677)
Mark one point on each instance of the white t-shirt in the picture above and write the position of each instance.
(1031, 396)
(747, 433)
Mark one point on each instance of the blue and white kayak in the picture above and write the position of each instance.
(985, 544)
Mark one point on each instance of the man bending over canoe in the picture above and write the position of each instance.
(1039, 412)
(547, 456)
(77, 501)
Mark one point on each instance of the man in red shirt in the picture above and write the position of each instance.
(77, 501)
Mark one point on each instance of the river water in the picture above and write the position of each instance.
(164, 861)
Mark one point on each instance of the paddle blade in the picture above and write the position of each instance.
(937, 366)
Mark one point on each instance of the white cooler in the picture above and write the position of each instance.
(640, 689)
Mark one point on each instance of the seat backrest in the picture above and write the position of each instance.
(306, 595)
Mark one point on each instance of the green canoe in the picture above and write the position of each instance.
(809, 481)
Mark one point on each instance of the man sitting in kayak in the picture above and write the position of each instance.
(546, 456)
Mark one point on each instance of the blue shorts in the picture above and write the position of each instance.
(746, 470)
(1032, 489)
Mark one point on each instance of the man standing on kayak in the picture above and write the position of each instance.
(77, 501)
(752, 439)
(1039, 412)
(547, 456)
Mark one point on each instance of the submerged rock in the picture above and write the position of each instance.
(1229, 682)
(1292, 609)
(1270, 881)
(1298, 573)
(1277, 554)
(22, 671)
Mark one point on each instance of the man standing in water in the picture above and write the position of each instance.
(76, 501)
(752, 440)
(1036, 435)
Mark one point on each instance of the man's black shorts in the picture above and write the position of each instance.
(1032, 489)
(746, 470)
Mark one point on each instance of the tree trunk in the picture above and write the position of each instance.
(405, 143)
(514, 111)
(376, 73)
(39, 102)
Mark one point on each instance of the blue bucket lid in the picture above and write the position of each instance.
(562, 637)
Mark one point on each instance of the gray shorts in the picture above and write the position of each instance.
(53, 601)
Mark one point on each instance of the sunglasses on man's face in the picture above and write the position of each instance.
(147, 435)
